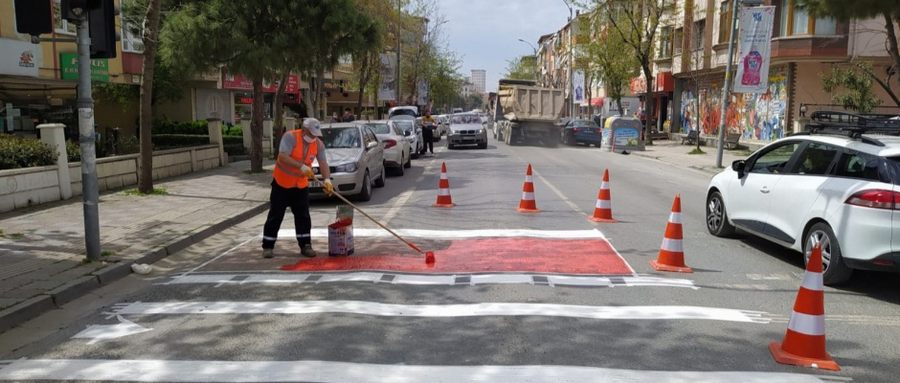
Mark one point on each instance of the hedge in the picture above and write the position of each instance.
(21, 152)
(165, 126)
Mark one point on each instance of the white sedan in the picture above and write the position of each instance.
(397, 149)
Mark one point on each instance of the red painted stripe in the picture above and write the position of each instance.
(587, 256)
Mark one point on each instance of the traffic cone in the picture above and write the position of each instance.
(603, 207)
(671, 252)
(443, 198)
(804, 341)
(527, 203)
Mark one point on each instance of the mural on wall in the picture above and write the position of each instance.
(758, 117)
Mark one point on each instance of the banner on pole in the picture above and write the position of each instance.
(386, 90)
(578, 86)
(755, 42)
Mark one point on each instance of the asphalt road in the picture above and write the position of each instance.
(747, 278)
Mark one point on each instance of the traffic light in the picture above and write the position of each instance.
(33, 17)
(102, 23)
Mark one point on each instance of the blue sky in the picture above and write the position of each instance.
(485, 33)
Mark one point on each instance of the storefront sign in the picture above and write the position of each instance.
(20, 58)
(234, 81)
(386, 91)
(68, 66)
(755, 49)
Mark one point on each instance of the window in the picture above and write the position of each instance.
(132, 38)
(677, 40)
(61, 25)
(860, 166)
(698, 34)
(725, 22)
(795, 21)
(816, 159)
(665, 42)
(776, 160)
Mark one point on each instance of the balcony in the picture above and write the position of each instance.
(809, 46)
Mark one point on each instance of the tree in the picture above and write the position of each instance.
(521, 68)
(851, 86)
(636, 22)
(150, 38)
(887, 10)
(607, 63)
(246, 37)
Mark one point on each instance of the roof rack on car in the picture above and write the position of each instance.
(853, 125)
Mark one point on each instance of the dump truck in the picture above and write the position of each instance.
(523, 112)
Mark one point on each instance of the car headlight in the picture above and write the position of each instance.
(345, 168)
(479, 131)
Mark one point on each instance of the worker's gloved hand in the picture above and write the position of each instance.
(307, 171)
(329, 188)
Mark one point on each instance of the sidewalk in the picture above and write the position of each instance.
(672, 152)
(42, 249)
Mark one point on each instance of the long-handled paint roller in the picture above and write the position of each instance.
(429, 255)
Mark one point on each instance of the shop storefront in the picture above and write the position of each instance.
(241, 99)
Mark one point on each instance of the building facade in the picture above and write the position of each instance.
(479, 79)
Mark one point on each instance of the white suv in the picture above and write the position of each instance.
(838, 189)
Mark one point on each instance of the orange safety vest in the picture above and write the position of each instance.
(288, 176)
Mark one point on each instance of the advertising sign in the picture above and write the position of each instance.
(234, 81)
(68, 66)
(755, 36)
(386, 91)
(19, 58)
(621, 134)
(578, 87)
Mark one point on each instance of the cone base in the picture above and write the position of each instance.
(444, 205)
(602, 220)
(674, 269)
(785, 357)
(522, 210)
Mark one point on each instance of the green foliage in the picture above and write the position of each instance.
(851, 86)
(171, 141)
(696, 151)
(521, 68)
(164, 126)
(608, 64)
(229, 129)
(73, 151)
(155, 191)
(21, 152)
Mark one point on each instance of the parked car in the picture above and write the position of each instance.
(355, 158)
(412, 132)
(443, 125)
(396, 148)
(580, 131)
(466, 129)
(838, 189)
(412, 111)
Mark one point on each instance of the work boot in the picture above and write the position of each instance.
(308, 251)
(268, 253)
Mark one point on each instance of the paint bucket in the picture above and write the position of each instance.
(340, 237)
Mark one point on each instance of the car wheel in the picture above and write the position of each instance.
(408, 163)
(836, 271)
(379, 182)
(398, 171)
(717, 217)
(366, 193)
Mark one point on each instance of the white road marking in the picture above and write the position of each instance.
(443, 311)
(327, 372)
(97, 333)
(460, 234)
(560, 194)
(429, 279)
(202, 265)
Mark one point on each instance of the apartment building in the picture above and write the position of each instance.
(692, 53)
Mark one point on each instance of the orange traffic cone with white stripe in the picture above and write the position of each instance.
(671, 252)
(443, 198)
(603, 207)
(804, 341)
(527, 203)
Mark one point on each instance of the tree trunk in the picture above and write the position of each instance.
(649, 103)
(278, 124)
(619, 105)
(308, 98)
(893, 48)
(364, 77)
(151, 32)
(256, 127)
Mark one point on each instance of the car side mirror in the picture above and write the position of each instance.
(372, 145)
(739, 166)
(407, 133)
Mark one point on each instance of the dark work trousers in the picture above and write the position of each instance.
(428, 137)
(280, 199)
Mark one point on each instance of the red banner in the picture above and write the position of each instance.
(238, 82)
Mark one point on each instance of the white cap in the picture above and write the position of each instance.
(312, 125)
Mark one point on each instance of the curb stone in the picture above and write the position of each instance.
(30, 309)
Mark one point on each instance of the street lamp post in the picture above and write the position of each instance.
(534, 49)
(726, 92)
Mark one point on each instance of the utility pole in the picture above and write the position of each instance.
(87, 137)
(571, 89)
(399, 31)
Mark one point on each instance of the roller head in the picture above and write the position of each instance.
(429, 257)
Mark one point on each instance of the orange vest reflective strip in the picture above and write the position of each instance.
(288, 176)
